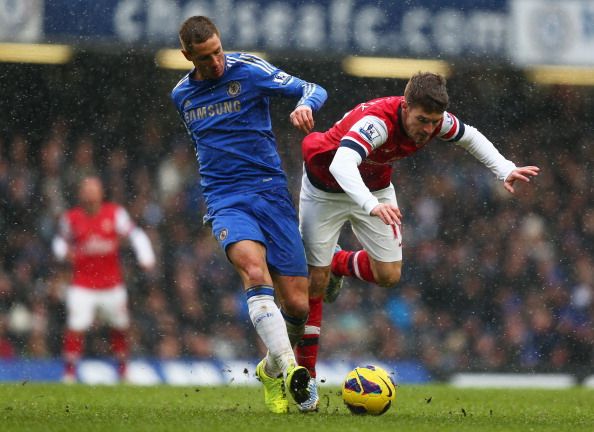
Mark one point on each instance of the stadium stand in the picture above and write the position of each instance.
(490, 282)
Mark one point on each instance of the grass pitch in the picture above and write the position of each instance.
(56, 407)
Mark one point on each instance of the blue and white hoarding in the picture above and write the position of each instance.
(191, 372)
(552, 32)
(444, 28)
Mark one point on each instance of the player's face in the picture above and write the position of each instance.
(419, 124)
(91, 193)
(208, 58)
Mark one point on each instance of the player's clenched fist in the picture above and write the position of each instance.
(302, 118)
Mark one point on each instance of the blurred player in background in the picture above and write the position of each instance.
(224, 105)
(89, 238)
(348, 171)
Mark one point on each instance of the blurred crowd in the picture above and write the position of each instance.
(491, 281)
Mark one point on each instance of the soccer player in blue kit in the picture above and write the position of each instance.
(224, 104)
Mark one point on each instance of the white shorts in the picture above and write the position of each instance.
(322, 215)
(83, 305)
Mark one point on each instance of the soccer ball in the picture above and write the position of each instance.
(368, 390)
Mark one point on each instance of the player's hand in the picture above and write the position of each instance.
(149, 268)
(521, 173)
(69, 258)
(302, 118)
(388, 213)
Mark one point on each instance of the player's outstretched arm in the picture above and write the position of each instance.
(139, 240)
(521, 173)
(302, 118)
(275, 82)
(143, 249)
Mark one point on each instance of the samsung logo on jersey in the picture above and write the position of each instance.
(220, 108)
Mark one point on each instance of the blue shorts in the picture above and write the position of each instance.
(268, 217)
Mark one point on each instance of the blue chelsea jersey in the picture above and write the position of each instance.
(229, 122)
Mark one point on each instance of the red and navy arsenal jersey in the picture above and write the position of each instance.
(374, 129)
(95, 239)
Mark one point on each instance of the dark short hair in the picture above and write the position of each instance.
(196, 29)
(428, 91)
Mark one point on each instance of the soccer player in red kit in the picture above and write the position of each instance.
(89, 238)
(348, 171)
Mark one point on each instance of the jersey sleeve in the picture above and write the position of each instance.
(476, 144)
(140, 242)
(367, 134)
(123, 222)
(451, 128)
(273, 81)
(345, 171)
(60, 240)
(142, 247)
(64, 229)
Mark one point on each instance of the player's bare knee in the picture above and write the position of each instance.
(255, 274)
(297, 307)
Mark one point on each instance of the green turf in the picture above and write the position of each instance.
(55, 407)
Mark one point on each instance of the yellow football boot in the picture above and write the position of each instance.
(297, 381)
(275, 397)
